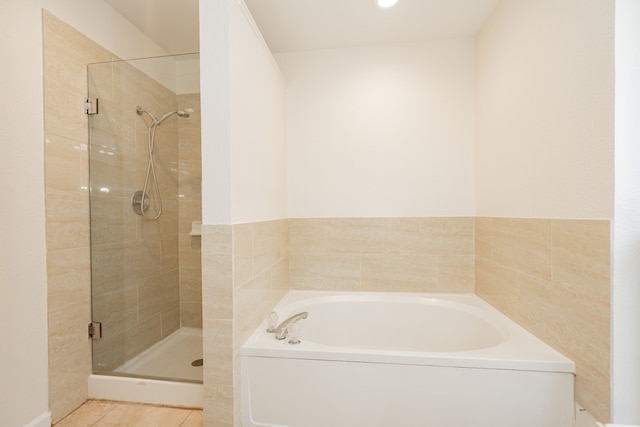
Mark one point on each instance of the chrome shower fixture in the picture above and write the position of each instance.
(157, 121)
(140, 201)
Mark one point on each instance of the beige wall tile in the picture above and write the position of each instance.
(191, 314)
(399, 273)
(242, 253)
(497, 285)
(219, 411)
(190, 284)
(252, 304)
(216, 239)
(306, 236)
(325, 272)
(66, 54)
(218, 352)
(217, 303)
(438, 236)
(66, 163)
(393, 254)
(190, 210)
(456, 273)
(553, 277)
(523, 244)
(267, 245)
(68, 277)
(217, 271)
(279, 280)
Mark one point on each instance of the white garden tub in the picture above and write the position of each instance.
(388, 359)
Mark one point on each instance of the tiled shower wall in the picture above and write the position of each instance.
(189, 211)
(66, 55)
(553, 277)
(135, 275)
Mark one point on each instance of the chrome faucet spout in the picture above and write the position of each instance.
(282, 329)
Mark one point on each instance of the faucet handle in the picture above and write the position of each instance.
(294, 333)
(272, 322)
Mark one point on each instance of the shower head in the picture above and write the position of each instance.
(179, 113)
(157, 121)
(185, 113)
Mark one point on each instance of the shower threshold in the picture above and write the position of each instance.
(141, 378)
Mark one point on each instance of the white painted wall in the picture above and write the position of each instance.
(215, 107)
(243, 126)
(545, 110)
(23, 286)
(626, 230)
(188, 74)
(381, 130)
(258, 133)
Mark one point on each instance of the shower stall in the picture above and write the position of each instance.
(145, 199)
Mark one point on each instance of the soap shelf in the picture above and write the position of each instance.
(196, 228)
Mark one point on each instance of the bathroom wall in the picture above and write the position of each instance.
(382, 254)
(544, 159)
(189, 211)
(244, 136)
(24, 391)
(66, 54)
(135, 262)
(246, 274)
(626, 229)
(23, 273)
(552, 276)
(544, 73)
(245, 235)
(381, 131)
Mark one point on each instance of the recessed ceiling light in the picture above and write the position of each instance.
(386, 3)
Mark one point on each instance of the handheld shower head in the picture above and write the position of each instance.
(185, 113)
(156, 121)
(179, 113)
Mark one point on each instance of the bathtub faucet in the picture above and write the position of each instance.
(282, 329)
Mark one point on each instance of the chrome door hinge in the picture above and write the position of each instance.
(91, 106)
(95, 330)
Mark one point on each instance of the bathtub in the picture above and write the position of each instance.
(373, 359)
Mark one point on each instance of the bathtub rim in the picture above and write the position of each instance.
(521, 350)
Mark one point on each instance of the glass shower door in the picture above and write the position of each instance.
(145, 300)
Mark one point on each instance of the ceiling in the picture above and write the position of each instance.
(293, 25)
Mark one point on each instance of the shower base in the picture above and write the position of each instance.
(141, 379)
(172, 357)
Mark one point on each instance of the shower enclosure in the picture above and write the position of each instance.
(145, 175)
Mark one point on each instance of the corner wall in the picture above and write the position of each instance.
(544, 180)
(24, 287)
(66, 54)
(626, 232)
(244, 241)
(23, 274)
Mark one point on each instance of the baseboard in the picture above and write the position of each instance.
(43, 420)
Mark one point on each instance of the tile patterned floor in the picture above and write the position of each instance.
(111, 414)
